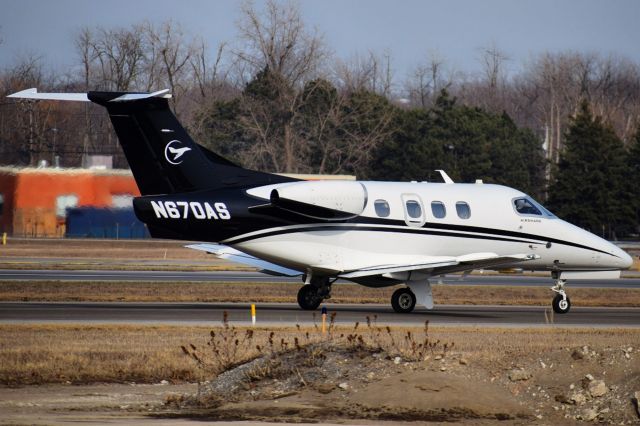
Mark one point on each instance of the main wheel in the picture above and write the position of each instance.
(560, 304)
(403, 300)
(308, 298)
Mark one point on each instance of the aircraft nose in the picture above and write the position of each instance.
(627, 260)
(624, 260)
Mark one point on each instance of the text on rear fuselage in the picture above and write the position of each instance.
(190, 209)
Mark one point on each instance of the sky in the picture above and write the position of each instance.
(410, 30)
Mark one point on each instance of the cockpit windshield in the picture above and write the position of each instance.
(529, 207)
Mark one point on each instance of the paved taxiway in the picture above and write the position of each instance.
(231, 276)
(290, 314)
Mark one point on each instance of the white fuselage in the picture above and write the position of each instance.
(493, 225)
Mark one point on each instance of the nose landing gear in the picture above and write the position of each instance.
(561, 303)
(311, 295)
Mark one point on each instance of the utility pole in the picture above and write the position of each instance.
(54, 130)
(31, 147)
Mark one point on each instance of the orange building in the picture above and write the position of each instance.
(33, 202)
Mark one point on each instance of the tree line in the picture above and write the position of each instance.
(564, 128)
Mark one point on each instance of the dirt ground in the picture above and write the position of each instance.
(462, 376)
(357, 388)
(561, 386)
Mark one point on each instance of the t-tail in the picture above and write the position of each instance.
(162, 156)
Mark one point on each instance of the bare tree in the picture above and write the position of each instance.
(490, 91)
(30, 120)
(119, 54)
(278, 40)
(493, 60)
(278, 57)
(207, 75)
(168, 58)
(372, 73)
(552, 86)
(427, 80)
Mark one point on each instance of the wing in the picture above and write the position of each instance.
(437, 265)
(425, 264)
(228, 253)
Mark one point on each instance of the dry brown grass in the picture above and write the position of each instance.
(34, 354)
(58, 291)
(100, 249)
(81, 354)
(150, 255)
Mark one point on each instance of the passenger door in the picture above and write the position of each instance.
(414, 214)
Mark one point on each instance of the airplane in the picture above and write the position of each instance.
(376, 234)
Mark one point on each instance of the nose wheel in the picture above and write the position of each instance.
(308, 297)
(561, 303)
(311, 295)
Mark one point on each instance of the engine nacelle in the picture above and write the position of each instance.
(331, 200)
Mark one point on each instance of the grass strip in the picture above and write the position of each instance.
(251, 292)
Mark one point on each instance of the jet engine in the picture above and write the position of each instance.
(327, 200)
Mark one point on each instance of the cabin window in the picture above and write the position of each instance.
(525, 206)
(413, 209)
(382, 208)
(438, 209)
(463, 210)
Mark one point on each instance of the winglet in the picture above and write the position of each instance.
(445, 177)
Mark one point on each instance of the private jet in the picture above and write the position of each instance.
(376, 234)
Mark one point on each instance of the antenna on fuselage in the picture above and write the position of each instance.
(445, 177)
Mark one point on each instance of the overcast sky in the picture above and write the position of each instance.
(409, 30)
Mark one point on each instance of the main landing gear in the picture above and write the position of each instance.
(314, 292)
(561, 303)
(403, 300)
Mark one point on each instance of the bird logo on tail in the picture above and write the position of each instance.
(173, 152)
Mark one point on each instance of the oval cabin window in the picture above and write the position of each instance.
(413, 209)
(463, 210)
(438, 209)
(382, 208)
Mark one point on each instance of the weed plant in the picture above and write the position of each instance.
(229, 347)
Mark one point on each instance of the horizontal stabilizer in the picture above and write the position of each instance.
(33, 94)
(82, 97)
(228, 253)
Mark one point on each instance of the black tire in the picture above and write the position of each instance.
(560, 305)
(403, 300)
(308, 298)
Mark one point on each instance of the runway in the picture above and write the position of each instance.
(236, 276)
(289, 314)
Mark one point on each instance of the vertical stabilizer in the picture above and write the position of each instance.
(163, 157)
